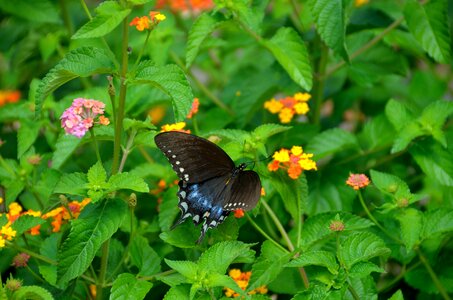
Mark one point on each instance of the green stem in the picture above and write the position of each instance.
(319, 88)
(433, 275)
(126, 151)
(140, 54)
(95, 144)
(260, 230)
(112, 93)
(122, 100)
(371, 217)
(66, 17)
(101, 279)
(295, 16)
(353, 292)
(31, 253)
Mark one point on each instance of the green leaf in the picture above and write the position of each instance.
(218, 257)
(127, 287)
(408, 133)
(428, 23)
(26, 136)
(437, 222)
(433, 118)
(73, 184)
(26, 222)
(144, 257)
(360, 247)
(398, 295)
(179, 292)
(363, 269)
(138, 124)
(316, 228)
(13, 189)
(265, 131)
(97, 223)
(38, 11)
(411, 221)
(182, 236)
(316, 258)
(290, 51)
(96, 174)
(390, 184)
(127, 181)
(168, 209)
(330, 142)
(64, 147)
(436, 162)
(80, 62)
(330, 22)
(398, 114)
(203, 26)
(171, 80)
(32, 292)
(188, 269)
(250, 16)
(110, 14)
(377, 133)
(268, 266)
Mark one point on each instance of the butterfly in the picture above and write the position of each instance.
(210, 185)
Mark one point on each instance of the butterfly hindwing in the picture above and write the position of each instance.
(194, 159)
(245, 191)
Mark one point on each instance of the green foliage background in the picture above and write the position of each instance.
(380, 76)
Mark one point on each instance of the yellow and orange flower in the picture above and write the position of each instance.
(242, 279)
(358, 181)
(194, 108)
(175, 127)
(289, 106)
(186, 6)
(294, 161)
(61, 214)
(145, 22)
(9, 96)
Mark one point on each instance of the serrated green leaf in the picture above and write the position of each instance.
(408, 133)
(26, 222)
(428, 23)
(249, 15)
(73, 184)
(64, 147)
(290, 51)
(411, 222)
(433, 118)
(96, 224)
(32, 292)
(171, 80)
(330, 21)
(363, 269)
(13, 189)
(330, 142)
(436, 162)
(26, 136)
(181, 236)
(203, 26)
(218, 257)
(316, 228)
(437, 221)
(144, 257)
(128, 287)
(127, 181)
(398, 295)
(178, 292)
(80, 62)
(398, 114)
(390, 184)
(97, 174)
(265, 131)
(110, 14)
(268, 266)
(377, 133)
(188, 269)
(360, 247)
(315, 258)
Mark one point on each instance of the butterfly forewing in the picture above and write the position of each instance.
(194, 159)
(245, 191)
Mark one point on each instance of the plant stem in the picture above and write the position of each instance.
(286, 238)
(353, 292)
(126, 151)
(101, 279)
(370, 216)
(140, 54)
(319, 88)
(122, 99)
(260, 230)
(95, 144)
(433, 275)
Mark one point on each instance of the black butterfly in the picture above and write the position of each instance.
(211, 186)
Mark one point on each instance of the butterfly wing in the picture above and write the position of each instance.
(194, 159)
(245, 191)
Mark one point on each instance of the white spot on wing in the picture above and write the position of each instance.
(196, 218)
(184, 206)
(182, 194)
(181, 170)
(177, 162)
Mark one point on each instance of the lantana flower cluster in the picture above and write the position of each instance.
(289, 106)
(358, 181)
(180, 125)
(242, 279)
(294, 161)
(58, 216)
(186, 6)
(145, 22)
(9, 96)
(81, 115)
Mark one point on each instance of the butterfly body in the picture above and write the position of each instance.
(210, 185)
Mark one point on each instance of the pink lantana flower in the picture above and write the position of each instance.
(81, 116)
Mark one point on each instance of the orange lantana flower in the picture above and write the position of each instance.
(358, 181)
(289, 106)
(294, 161)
